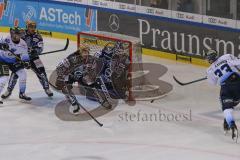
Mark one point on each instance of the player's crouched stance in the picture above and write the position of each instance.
(13, 52)
(82, 68)
(225, 72)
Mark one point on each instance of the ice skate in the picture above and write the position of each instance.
(74, 109)
(106, 104)
(24, 97)
(225, 127)
(48, 92)
(234, 131)
(6, 94)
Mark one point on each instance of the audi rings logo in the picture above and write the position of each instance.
(114, 22)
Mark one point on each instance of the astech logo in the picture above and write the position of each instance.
(58, 15)
(29, 13)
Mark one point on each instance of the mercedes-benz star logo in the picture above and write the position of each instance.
(114, 22)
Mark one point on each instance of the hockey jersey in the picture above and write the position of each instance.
(20, 50)
(34, 42)
(76, 67)
(222, 69)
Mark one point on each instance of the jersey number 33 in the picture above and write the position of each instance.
(223, 69)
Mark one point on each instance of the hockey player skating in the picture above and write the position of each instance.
(225, 72)
(13, 54)
(35, 47)
(82, 68)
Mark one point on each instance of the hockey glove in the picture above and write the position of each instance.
(26, 65)
(34, 52)
(4, 46)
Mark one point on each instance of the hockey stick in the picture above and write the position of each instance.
(187, 83)
(19, 59)
(80, 106)
(60, 50)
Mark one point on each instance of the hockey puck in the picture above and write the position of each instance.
(152, 101)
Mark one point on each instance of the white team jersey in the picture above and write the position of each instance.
(19, 49)
(222, 68)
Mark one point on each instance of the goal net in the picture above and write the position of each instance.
(140, 88)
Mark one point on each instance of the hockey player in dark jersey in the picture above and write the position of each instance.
(35, 47)
(84, 69)
(114, 73)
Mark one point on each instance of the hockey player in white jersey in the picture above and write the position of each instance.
(35, 47)
(14, 53)
(224, 71)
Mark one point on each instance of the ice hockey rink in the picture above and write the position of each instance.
(32, 131)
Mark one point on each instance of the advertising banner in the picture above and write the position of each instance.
(49, 16)
(170, 36)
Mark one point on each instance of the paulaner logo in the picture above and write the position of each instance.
(58, 15)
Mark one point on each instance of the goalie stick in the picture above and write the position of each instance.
(60, 50)
(187, 83)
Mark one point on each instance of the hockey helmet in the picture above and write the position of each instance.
(211, 56)
(108, 48)
(15, 33)
(31, 24)
(84, 48)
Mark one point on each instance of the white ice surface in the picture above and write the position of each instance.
(31, 131)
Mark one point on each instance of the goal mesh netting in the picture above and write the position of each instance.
(140, 89)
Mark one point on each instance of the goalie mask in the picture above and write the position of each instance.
(108, 48)
(211, 56)
(15, 33)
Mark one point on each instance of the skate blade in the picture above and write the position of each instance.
(236, 137)
(25, 101)
(225, 133)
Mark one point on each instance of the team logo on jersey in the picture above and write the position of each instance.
(30, 13)
(114, 22)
